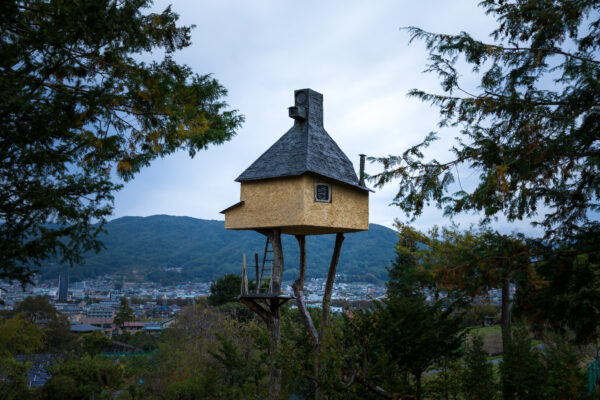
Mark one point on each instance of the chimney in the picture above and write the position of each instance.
(361, 177)
(308, 106)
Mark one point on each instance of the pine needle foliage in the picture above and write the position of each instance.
(531, 127)
(79, 112)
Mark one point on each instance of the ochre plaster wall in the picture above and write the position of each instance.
(289, 203)
(349, 207)
(267, 203)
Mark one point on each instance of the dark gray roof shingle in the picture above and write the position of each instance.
(306, 147)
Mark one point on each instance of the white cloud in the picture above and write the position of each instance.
(261, 51)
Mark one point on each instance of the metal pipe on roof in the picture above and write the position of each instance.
(361, 175)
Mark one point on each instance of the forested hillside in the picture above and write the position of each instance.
(149, 248)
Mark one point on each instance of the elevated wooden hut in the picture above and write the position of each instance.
(303, 184)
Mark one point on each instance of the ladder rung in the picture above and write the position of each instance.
(267, 265)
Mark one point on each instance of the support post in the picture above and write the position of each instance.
(324, 328)
(271, 314)
(277, 272)
(244, 277)
(298, 287)
(337, 249)
(257, 277)
(274, 325)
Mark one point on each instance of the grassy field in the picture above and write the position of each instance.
(487, 330)
(492, 338)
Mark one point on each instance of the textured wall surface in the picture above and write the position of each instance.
(289, 203)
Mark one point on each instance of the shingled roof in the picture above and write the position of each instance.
(306, 147)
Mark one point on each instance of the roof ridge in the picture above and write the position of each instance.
(305, 147)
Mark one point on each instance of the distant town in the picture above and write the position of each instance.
(93, 304)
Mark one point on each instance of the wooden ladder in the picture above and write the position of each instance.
(267, 265)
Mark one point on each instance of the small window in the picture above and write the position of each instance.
(323, 192)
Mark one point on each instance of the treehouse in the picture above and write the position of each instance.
(303, 184)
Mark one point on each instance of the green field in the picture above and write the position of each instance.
(487, 330)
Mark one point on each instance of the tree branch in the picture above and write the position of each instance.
(554, 50)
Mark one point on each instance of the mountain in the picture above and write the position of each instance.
(170, 249)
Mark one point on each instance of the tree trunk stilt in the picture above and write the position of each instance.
(339, 239)
(324, 328)
(274, 328)
(274, 324)
(298, 287)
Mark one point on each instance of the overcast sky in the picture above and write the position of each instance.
(353, 52)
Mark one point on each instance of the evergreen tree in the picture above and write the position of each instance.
(465, 264)
(447, 383)
(522, 373)
(76, 107)
(478, 381)
(530, 128)
(125, 313)
(404, 277)
(414, 333)
(94, 342)
(566, 380)
(417, 335)
(225, 290)
(569, 299)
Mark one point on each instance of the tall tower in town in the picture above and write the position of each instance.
(63, 287)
